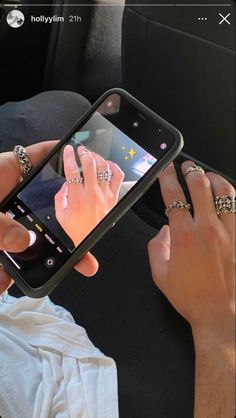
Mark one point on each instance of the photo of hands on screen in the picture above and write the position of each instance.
(78, 187)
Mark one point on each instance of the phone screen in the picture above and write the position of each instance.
(82, 182)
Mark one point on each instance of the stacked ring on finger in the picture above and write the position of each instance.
(225, 204)
(101, 176)
(75, 180)
(177, 204)
(104, 176)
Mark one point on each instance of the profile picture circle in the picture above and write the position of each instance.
(15, 18)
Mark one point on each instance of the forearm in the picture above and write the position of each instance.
(214, 375)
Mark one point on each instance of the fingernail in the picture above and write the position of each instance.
(15, 237)
(67, 148)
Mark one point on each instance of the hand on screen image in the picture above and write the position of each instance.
(82, 202)
(13, 236)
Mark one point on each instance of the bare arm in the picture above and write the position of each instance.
(214, 375)
(193, 263)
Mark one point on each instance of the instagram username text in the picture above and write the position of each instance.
(54, 19)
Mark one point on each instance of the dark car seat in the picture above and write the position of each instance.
(184, 70)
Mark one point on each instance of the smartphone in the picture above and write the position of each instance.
(81, 189)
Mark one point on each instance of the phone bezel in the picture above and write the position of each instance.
(117, 212)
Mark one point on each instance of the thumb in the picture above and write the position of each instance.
(88, 266)
(13, 236)
(159, 255)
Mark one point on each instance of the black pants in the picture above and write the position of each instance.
(124, 313)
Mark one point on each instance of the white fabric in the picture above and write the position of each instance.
(48, 366)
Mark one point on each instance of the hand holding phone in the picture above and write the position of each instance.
(88, 181)
(14, 237)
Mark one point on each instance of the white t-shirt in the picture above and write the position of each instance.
(48, 366)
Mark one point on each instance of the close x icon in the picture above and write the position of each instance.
(224, 19)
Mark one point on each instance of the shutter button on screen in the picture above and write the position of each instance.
(50, 262)
(33, 238)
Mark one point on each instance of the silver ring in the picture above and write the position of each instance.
(23, 159)
(104, 176)
(225, 204)
(75, 180)
(177, 204)
(193, 168)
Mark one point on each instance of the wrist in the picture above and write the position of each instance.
(214, 370)
(216, 338)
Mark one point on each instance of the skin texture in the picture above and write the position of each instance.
(193, 263)
(19, 237)
(80, 207)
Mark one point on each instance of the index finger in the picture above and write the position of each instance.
(89, 167)
(71, 167)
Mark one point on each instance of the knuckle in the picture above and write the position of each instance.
(221, 184)
(172, 191)
(183, 235)
(227, 189)
(88, 161)
(200, 181)
(212, 231)
(95, 197)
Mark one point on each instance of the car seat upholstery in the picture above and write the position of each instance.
(184, 72)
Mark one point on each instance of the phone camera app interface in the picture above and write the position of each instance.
(99, 164)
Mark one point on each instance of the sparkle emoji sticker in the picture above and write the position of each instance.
(129, 154)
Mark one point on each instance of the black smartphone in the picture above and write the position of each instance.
(88, 181)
